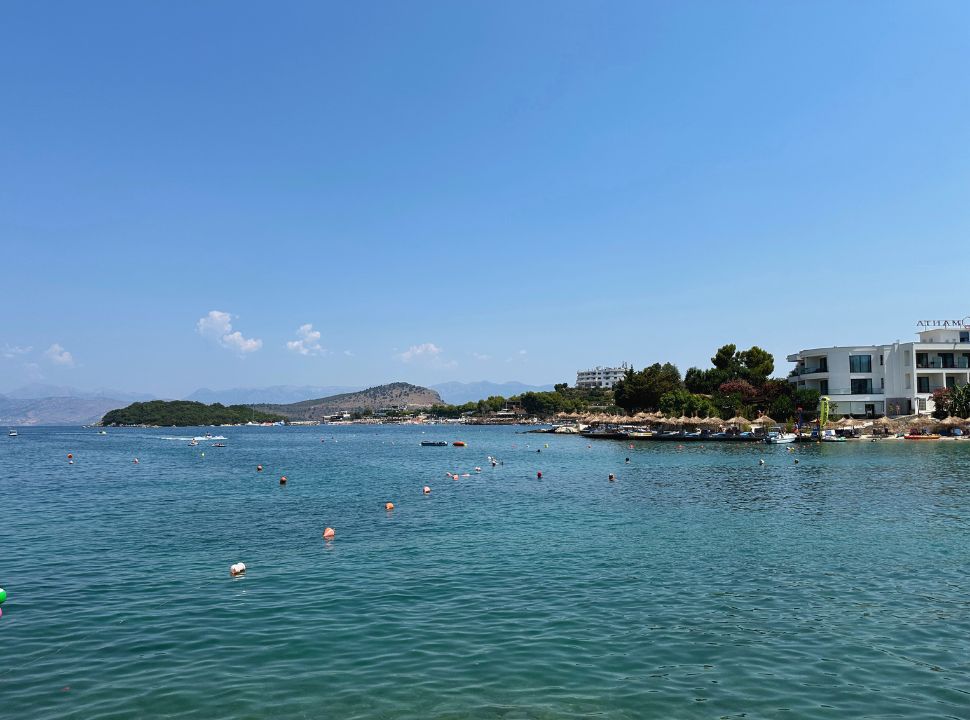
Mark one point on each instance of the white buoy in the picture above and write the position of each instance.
(237, 569)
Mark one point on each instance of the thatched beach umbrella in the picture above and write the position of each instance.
(764, 420)
(711, 422)
(953, 421)
(738, 420)
(922, 421)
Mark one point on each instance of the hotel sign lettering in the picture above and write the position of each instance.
(926, 324)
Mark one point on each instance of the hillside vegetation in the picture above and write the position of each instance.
(185, 413)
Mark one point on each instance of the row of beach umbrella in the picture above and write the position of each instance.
(658, 418)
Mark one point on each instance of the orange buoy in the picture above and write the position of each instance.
(328, 534)
(283, 480)
(388, 506)
(539, 475)
(427, 490)
(70, 456)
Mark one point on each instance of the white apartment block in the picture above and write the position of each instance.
(894, 379)
(601, 377)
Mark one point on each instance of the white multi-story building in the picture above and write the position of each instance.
(894, 379)
(601, 377)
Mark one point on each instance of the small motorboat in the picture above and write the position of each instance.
(218, 445)
(193, 443)
(918, 436)
(102, 432)
(459, 443)
(12, 433)
(776, 437)
(433, 443)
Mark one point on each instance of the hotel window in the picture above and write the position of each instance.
(823, 364)
(860, 363)
(922, 384)
(880, 359)
(861, 386)
(882, 383)
(965, 336)
(951, 382)
(823, 387)
(922, 360)
(946, 360)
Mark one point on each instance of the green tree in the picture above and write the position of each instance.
(757, 364)
(642, 390)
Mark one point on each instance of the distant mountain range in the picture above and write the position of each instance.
(272, 395)
(55, 410)
(42, 404)
(37, 391)
(376, 398)
(458, 393)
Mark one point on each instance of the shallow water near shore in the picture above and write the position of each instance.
(698, 585)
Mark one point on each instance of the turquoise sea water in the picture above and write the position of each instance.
(698, 585)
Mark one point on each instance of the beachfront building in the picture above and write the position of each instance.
(894, 379)
(601, 377)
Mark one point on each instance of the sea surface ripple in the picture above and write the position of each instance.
(700, 584)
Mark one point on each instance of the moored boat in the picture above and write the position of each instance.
(433, 443)
(459, 443)
(918, 436)
(775, 436)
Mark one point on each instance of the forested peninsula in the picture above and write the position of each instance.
(185, 413)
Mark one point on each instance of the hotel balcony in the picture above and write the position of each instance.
(811, 371)
(848, 391)
(937, 364)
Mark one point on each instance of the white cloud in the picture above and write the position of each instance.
(427, 353)
(348, 353)
(520, 355)
(10, 351)
(309, 342)
(481, 356)
(59, 356)
(417, 352)
(236, 341)
(217, 326)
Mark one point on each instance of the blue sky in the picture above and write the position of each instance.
(464, 191)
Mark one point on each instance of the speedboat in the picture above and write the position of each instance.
(433, 443)
(12, 433)
(919, 436)
(776, 437)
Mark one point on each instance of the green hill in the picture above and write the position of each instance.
(185, 413)
(396, 395)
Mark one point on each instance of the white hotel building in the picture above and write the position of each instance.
(601, 377)
(865, 380)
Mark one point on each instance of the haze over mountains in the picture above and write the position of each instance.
(43, 404)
